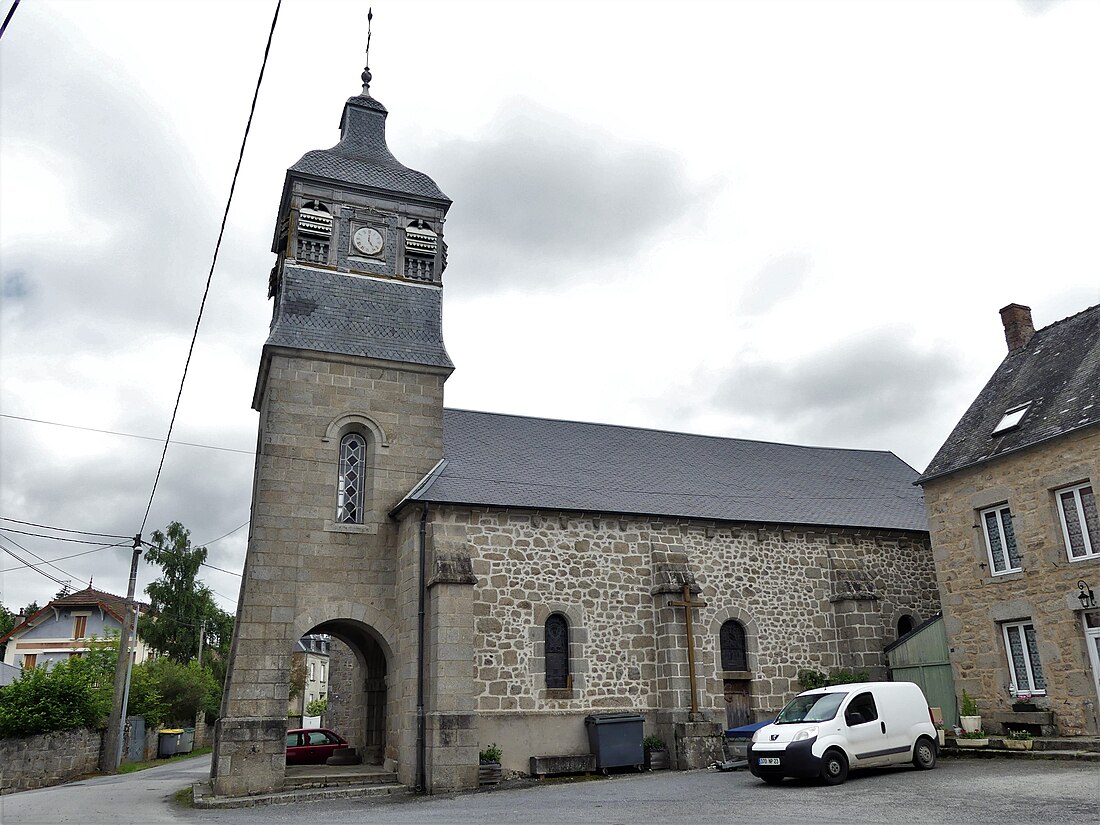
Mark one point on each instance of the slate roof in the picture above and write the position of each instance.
(1058, 372)
(363, 158)
(538, 463)
(335, 312)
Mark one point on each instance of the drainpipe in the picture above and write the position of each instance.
(421, 783)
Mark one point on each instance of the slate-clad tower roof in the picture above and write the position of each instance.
(538, 463)
(363, 158)
(1055, 373)
(361, 251)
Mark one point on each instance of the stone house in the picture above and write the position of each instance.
(497, 578)
(66, 628)
(1012, 512)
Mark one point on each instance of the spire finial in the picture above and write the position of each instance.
(366, 69)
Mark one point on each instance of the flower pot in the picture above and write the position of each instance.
(1019, 744)
(970, 723)
(656, 760)
(489, 773)
(971, 743)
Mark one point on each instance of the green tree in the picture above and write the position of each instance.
(7, 622)
(182, 607)
(185, 690)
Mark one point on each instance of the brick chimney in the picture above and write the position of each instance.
(1018, 326)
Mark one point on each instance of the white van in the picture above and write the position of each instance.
(825, 732)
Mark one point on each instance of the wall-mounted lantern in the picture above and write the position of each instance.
(1085, 595)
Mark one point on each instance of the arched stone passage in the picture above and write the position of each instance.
(358, 695)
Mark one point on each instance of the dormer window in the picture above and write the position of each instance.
(1011, 419)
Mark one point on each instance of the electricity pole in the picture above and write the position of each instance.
(111, 755)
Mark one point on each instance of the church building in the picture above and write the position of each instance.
(499, 578)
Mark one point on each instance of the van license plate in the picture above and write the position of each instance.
(769, 761)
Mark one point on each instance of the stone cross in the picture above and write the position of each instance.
(687, 603)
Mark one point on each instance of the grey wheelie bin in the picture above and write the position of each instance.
(615, 739)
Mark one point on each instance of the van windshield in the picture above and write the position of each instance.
(817, 707)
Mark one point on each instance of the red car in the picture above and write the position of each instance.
(311, 746)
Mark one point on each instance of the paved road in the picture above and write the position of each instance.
(971, 791)
(141, 798)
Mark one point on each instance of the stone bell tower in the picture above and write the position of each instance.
(350, 396)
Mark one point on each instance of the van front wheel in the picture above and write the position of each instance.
(834, 767)
(924, 754)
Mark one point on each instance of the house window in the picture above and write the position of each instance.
(556, 640)
(30, 661)
(1080, 525)
(80, 627)
(731, 638)
(311, 676)
(349, 490)
(1023, 657)
(1000, 540)
(322, 673)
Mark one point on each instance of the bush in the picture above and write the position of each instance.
(184, 690)
(811, 679)
(492, 753)
(63, 697)
(316, 707)
(654, 743)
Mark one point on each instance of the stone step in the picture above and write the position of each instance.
(204, 799)
(337, 780)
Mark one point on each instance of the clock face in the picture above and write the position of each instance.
(368, 240)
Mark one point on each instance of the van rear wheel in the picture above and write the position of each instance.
(924, 754)
(834, 767)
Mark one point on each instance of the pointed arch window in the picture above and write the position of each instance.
(735, 652)
(352, 479)
(556, 638)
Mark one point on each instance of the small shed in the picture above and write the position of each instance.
(921, 656)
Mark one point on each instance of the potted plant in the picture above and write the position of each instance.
(1018, 740)
(1023, 703)
(656, 753)
(972, 739)
(968, 716)
(489, 771)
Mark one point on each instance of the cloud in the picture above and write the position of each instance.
(860, 393)
(542, 194)
(779, 278)
(1034, 8)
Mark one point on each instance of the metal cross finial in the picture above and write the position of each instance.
(366, 69)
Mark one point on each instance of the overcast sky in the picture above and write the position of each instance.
(782, 221)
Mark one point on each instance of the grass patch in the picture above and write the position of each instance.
(184, 797)
(131, 767)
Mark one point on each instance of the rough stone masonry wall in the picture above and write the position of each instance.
(599, 571)
(975, 603)
(48, 759)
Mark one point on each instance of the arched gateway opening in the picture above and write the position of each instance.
(357, 693)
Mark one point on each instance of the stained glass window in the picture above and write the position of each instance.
(557, 651)
(350, 485)
(731, 637)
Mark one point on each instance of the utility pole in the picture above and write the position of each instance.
(111, 755)
(202, 635)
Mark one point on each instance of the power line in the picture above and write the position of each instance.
(127, 435)
(51, 538)
(231, 532)
(63, 529)
(15, 555)
(74, 555)
(11, 14)
(213, 263)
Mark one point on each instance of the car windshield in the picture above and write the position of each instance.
(817, 707)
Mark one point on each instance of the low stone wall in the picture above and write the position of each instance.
(47, 759)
